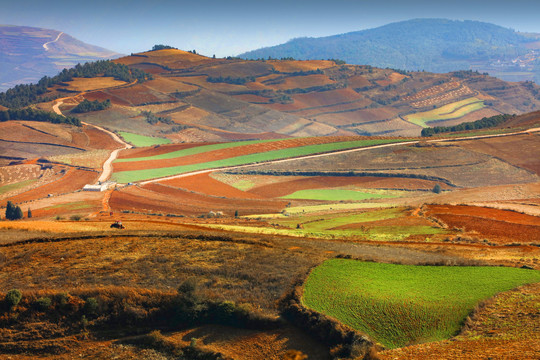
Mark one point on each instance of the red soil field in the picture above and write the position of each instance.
(400, 221)
(295, 65)
(485, 212)
(140, 94)
(320, 182)
(99, 139)
(226, 153)
(166, 199)
(358, 117)
(233, 136)
(521, 150)
(73, 180)
(302, 82)
(174, 59)
(252, 98)
(327, 98)
(497, 225)
(205, 184)
(102, 96)
(17, 131)
(358, 81)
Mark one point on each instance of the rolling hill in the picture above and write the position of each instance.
(436, 45)
(28, 53)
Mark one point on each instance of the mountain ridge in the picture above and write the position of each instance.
(29, 53)
(435, 45)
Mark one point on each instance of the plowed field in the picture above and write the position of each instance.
(203, 183)
(73, 180)
(496, 225)
(166, 199)
(223, 153)
(319, 182)
(99, 139)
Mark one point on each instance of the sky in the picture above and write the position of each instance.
(230, 27)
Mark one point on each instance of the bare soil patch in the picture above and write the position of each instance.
(205, 184)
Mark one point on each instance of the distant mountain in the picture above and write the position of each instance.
(28, 53)
(435, 45)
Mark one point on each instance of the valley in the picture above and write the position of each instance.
(244, 186)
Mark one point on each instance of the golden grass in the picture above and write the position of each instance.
(84, 84)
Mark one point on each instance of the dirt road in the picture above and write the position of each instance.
(46, 45)
(107, 165)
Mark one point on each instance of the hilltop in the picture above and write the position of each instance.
(29, 53)
(437, 45)
(193, 98)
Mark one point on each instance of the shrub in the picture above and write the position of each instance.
(90, 306)
(75, 217)
(13, 297)
(43, 303)
(437, 189)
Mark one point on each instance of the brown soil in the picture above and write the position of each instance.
(225, 153)
(205, 184)
(286, 186)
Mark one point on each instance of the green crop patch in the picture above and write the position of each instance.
(402, 304)
(337, 195)
(16, 186)
(139, 175)
(141, 140)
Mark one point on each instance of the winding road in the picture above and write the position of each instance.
(46, 45)
(107, 166)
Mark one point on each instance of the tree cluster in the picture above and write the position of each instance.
(37, 115)
(231, 80)
(87, 106)
(486, 122)
(13, 212)
(163, 47)
(152, 119)
(27, 94)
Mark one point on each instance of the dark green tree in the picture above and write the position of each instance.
(13, 212)
(437, 189)
(29, 215)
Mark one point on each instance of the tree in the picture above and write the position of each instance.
(29, 215)
(437, 189)
(13, 212)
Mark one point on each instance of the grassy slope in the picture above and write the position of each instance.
(139, 175)
(141, 140)
(400, 304)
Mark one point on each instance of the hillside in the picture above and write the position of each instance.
(196, 98)
(28, 53)
(436, 45)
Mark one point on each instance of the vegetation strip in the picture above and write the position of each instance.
(139, 175)
(141, 140)
(195, 150)
(402, 304)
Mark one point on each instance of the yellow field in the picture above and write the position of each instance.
(450, 111)
(84, 84)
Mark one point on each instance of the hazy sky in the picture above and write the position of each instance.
(229, 27)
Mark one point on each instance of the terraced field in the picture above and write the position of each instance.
(148, 168)
(400, 304)
(451, 111)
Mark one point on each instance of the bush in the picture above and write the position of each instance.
(13, 297)
(90, 306)
(75, 217)
(43, 303)
(437, 189)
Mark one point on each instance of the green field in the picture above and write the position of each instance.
(338, 195)
(141, 140)
(402, 304)
(139, 175)
(15, 186)
(450, 111)
(196, 150)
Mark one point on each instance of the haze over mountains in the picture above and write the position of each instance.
(436, 45)
(28, 53)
